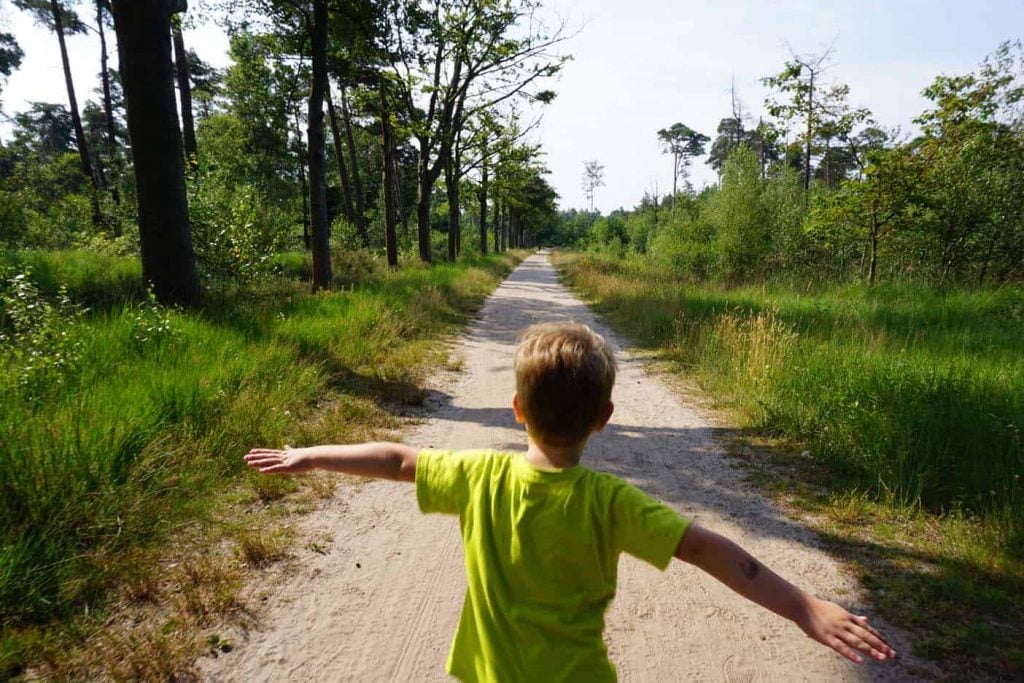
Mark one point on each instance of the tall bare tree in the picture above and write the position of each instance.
(800, 81)
(593, 178)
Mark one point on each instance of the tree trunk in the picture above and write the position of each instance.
(108, 113)
(317, 178)
(76, 118)
(988, 260)
(504, 228)
(399, 201)
(424, 186)
(346, 187)
(451, 182)
(304, 185)
(188, 126)
(825, 162)
(423, 222)
(675, 180)
(810, 130)
(168, 261)
(388, 145)
(482, 196)
(357, 177)
(497, 224)
(873, 260)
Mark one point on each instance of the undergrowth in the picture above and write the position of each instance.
(134, 438)
(908, 404)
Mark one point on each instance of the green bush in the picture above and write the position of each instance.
(235, 230)
(38, 336)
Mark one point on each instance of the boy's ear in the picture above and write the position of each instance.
(517, 409)
(609, 409)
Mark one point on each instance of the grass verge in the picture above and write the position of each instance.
(121, 482)
(905, 405)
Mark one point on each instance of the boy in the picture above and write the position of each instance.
(542, 534)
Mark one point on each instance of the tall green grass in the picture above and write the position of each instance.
(162, 404)
(94, 280)
(909, 401)
(911, 393)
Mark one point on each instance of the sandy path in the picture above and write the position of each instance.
(382, 605)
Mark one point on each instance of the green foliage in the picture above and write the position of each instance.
(608, 235)
(91, 279)
(11, 55)
(947, 207)
(905, 403)
(235, 229)
(742, 231)
(165, 401)
(344, 235)
(38, 337)
(912, 393)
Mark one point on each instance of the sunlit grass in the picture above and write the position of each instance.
(151, 427)
(906, 404)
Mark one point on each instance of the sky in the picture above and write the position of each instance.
(641, 65)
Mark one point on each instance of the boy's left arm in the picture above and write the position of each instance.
(826, 622)
(383, 460)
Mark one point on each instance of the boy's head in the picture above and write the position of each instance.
(564, 378)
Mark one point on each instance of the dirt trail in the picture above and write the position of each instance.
(382, 605)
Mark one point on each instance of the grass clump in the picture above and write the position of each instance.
(259, 548)
(910, 402)
(146, 428)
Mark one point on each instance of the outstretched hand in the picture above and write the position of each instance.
(848, 634)
(272, 461)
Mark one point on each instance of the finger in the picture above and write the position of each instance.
(264, 462)
(878, 647)
(863, 622)
(258, 457)
(264, 451)
(263, 454)
(278, 468)
(845, 650)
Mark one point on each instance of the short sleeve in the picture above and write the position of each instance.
(441, 481)
(646, 528)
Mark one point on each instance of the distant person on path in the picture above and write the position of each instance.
(543, 534)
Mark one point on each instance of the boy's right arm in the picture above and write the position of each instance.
(384, 460)
(826, 622)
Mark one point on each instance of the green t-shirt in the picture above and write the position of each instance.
(542, 550)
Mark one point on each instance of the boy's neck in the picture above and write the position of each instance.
(544, 455)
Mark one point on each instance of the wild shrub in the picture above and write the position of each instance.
(38, 336)
(151, 324)
(235, 230)
(742, 223)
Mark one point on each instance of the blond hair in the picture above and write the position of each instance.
(564, 378)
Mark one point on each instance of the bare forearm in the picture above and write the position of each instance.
(382, 460)
(740, 571)
(826, 622)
